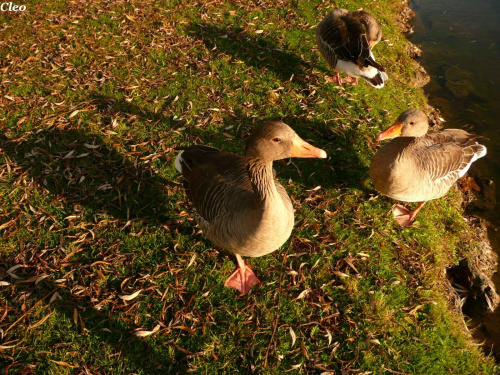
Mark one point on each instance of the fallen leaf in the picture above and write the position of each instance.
(130, 297)
(303, 294)
(65, 364)
(185, 328)
(92, 146)
(40, 278)
(294, 337)
(40, 322)
(146, 333)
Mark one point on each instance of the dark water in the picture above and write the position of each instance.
(460, 42)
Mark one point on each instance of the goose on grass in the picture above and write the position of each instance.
(238, 203)
(417, 166)
(345, 39)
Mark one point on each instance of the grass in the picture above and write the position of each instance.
(94, 98)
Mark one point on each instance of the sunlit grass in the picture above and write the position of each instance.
(95, 97)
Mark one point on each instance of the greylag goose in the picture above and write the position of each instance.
(238, 203)
(418, 166)
(345, 39)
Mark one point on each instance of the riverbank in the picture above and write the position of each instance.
(103, 269)
(456, 38)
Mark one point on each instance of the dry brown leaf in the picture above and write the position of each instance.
(329, 336)
(7, 224)
(413, 311)
(193, 258)
(92, 146)
(4, 347)
(11, 270)
(54, 296)
(40, 322)
(303, 294)
(130, 297)
(185, 328)
(304, 351)
(147, 333)
(294, 337)
(62, 363)
(40, 278)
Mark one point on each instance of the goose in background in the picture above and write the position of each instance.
(417, 166)
(238, 203)
(345, 39)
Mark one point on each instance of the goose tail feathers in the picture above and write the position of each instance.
(378, 80)
(178, 162)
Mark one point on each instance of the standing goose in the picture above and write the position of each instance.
(238, 203)
(345, 40)
(418, 166)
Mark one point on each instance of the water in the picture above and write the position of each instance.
(460, 42)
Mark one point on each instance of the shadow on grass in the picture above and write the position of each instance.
(343, 167)
(79, 171)
(109, 107)
(261, 53)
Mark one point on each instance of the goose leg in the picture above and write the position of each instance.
(404, 216)
(243, 278)
(335, 79)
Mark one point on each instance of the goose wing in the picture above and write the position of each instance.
(343, 37)
(448, 155)
(216, 182)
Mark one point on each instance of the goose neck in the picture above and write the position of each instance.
(261, 177)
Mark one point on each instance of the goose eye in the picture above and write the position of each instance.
(277, 139)
(412, 123)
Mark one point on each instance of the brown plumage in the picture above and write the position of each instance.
(417, 166)
(238, 203)
(345, 40)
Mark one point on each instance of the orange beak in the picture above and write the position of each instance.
(391, 132)
(372, 43)
(302, 149)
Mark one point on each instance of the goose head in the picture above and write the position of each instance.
(410, 123)
(373, 29)
(274, 140)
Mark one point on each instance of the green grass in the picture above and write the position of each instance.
(95, 97)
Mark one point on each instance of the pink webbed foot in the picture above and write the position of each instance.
(243, 278)
(339, 81)
(335, 79)
(350, 80)
(402, 216)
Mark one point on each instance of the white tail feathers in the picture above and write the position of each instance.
(378, 80)
(178, 160)
(480, 152)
